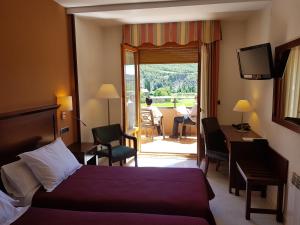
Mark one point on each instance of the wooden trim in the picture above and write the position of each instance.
(75, 71)
(137, 99)
(24, 112)
(123, 88)
(277, 115)
(200, 154)
(124, 48)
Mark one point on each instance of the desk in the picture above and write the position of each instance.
(85, 152)
(235, 146)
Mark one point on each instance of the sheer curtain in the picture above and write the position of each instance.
(292, 84)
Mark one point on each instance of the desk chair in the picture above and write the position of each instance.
(215, 141)
(105, 135)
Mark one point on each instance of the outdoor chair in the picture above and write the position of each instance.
(147, 121)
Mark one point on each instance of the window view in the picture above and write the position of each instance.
(169, 85)
(168, 108)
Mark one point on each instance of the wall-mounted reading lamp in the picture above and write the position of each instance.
(66, 105)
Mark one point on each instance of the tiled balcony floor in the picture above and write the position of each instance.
(185, 145)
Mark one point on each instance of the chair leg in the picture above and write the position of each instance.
(248, 201)
(279, 216)
(181, 130)
(121, 163)
(109, 162)
(135, 160)
(163, 130)
(153, 130)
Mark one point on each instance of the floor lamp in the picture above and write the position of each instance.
(107, 91)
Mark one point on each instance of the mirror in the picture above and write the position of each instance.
(286, 110)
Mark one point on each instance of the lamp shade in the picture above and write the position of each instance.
(65, 103)
(242, 106)
(107, 91)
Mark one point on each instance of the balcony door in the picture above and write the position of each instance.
(130, 89)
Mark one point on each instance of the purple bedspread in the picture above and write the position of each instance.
(168, 191)
(39, 216)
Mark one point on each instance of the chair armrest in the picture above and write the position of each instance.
(134, 139)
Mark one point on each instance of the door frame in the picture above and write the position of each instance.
(124, 47)
(136, 131)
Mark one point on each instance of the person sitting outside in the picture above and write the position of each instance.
(157, 115)
(186, 116)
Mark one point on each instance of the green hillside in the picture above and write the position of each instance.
(169, 79)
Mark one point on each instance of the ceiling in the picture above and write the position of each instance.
(80, 3)
(114, 12)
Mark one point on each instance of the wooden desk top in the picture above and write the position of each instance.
(233, 135)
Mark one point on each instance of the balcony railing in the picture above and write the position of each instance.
(171, 101)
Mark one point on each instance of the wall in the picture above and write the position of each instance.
(230, 84)
(99, 61)
(35, 57)
(276, 24)
(112, 67)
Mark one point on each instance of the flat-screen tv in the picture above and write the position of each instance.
(256, 62)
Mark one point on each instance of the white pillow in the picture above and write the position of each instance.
(71, 163)
(51, 164)
(8, 212)
(19, 181)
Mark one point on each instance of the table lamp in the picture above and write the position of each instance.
(107, 91)
(242, 106)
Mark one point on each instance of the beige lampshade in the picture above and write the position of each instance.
(65, 103)
(242, 106)
(107, 91)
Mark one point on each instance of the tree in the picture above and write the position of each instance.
(162, 92)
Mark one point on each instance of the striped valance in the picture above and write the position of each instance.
(181, 33)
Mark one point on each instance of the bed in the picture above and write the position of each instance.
(144, 190)
(168, 191)
(37, 216)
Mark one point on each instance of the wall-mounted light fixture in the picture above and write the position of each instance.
(66, 105)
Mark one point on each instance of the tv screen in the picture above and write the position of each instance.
(256, 62)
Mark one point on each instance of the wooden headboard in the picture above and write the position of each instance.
(26, 130)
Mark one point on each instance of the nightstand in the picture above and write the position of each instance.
(85, 153)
